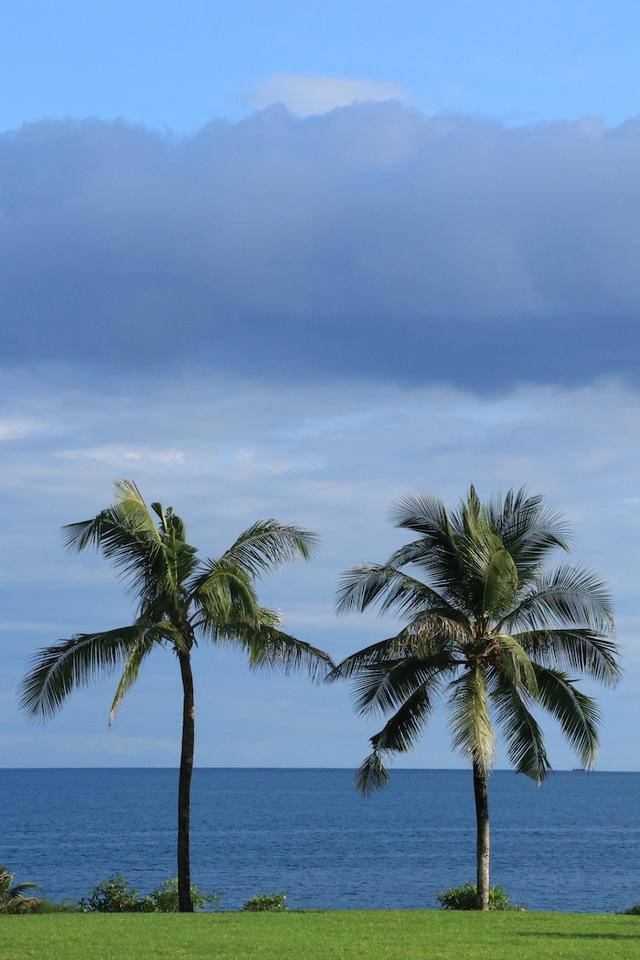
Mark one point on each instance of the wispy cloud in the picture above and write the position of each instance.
(308, 94)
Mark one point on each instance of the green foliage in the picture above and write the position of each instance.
(13, 897)
(465, 897)
(266, 903)
(116, 895)
(165, 897)
(486, 625)
(633, 911)
(182, 599)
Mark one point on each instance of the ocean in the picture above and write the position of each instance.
(572, 845)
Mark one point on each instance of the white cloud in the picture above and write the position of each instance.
(16, 428)
(309, 94)
(117, 455)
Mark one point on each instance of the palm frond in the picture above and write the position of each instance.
(372, 774)
(140, 650)
(528, 528)
(273, 649)
(578, 648)
(55, 671)
(438, 549)
(565, 597)
(525, 744)
(126, 534)
(382, 687)
(577, 714)
(383, 583)
(376, 653)
(428, 635)
(401, 731)
(221, 589)
(470, 719)
(424, 514)
(267, 544)
(496, 571)
(515, 664)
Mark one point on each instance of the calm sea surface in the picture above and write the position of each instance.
(574, 844)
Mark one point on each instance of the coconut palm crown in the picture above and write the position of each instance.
(182, 599)
(491, 629)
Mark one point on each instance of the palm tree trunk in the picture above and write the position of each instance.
(185, 903)
(482, 835)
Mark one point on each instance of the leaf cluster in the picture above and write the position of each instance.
(182, 599)
(488, 625)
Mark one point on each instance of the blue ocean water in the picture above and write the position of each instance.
(573, 844)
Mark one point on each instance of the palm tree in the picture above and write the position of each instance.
(182, 599)
(12, 895)
(492, 629)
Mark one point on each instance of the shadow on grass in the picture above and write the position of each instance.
(581, 936)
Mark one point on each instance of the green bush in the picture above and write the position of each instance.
(465, 897)
(165, 897)
(116, 895)
(633, 911)
(267, 902)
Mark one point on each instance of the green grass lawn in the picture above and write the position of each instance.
(343, 935)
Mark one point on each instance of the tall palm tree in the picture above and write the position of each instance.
(491, 629)
(182, 599)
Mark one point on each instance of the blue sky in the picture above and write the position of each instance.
(296, 260)
(180, 64)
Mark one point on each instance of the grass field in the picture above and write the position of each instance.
(343, 935)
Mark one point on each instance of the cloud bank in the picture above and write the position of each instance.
(371, 241)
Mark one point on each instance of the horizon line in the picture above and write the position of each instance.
(349, 768)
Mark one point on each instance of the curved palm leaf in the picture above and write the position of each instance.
(57, 670)
(567, 595)
(372, 774)
(470, 719)
(384, 686)
(270, 648)
(370, 583)
(401, 731)
(525, 745)
(575, 648)
(267, 544)
(528, 528)
(221, 589)
(515, 665)
(138, 653)
(577, 713)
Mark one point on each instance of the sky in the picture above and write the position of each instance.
(296, 260)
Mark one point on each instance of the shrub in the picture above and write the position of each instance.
(165, 897)
(116, 895)
(267, 902)
(465, 897)
(633, 911)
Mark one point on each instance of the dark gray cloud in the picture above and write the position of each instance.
(372, 241)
